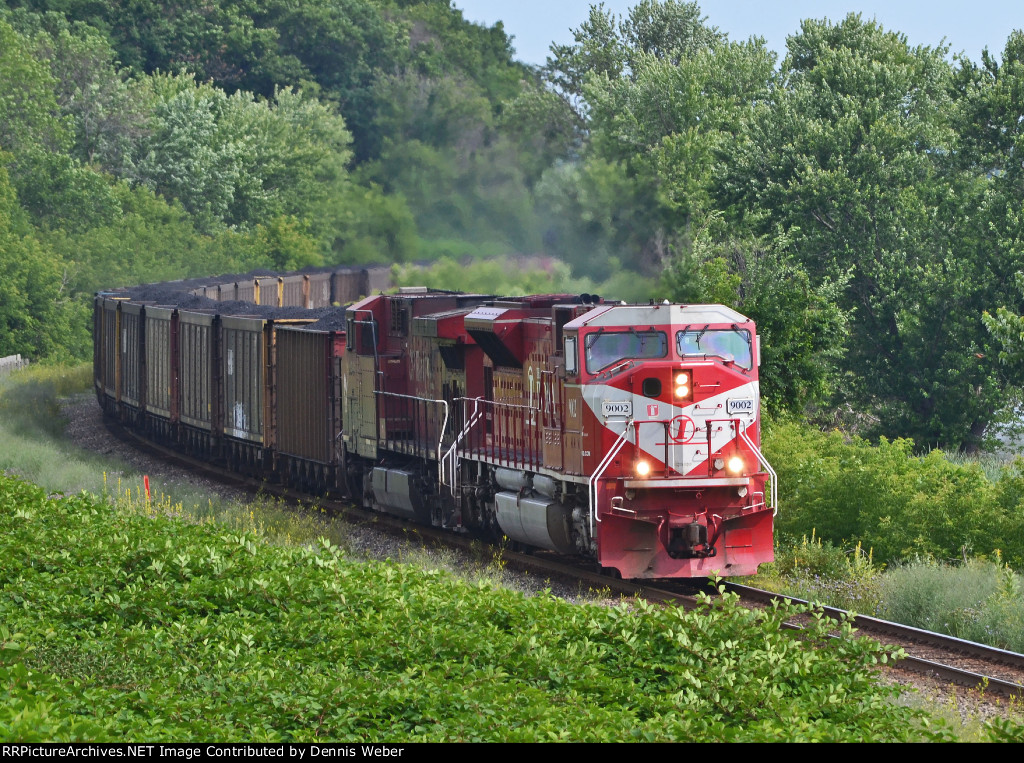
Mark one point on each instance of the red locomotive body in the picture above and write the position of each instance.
(627, 434)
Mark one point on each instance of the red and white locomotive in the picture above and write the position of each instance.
(625, 433)
(628, 434)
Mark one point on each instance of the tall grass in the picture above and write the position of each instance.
(33, 446)
(993, 465)
(979, 601)
(820, 572)
(31, 429)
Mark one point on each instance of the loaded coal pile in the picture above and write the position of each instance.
(182, 295)
(333, 320)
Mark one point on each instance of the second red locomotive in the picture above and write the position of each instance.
(629, 434)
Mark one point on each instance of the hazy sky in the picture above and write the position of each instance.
(966, 26)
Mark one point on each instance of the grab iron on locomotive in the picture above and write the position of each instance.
(629, 434)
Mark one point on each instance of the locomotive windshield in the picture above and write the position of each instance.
(605, 348)
(728, 344)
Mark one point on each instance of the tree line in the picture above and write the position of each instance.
(858, 196)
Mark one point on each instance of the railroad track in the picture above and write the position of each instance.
(941, 658)
(936, 655)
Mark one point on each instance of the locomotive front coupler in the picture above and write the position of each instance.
(690, 542)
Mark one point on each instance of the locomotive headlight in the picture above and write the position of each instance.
(642, 469)
(736, 465)
(682, 384)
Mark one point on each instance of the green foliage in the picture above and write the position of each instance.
(151, 240)
(95, 97)
(477, 195)
(850, 157)
(238, 160)
(285, 243)
(978, 601)
(670, 120)
(861, 202)
(55, 188)
(592, 213)
(363, 226)
(543, 127)
(143, 627)
(37, 318)
(485, 277)
(29, 116)
(442, 41)
(820, 572)
(511, 276)
(886, 498)
(659, 94)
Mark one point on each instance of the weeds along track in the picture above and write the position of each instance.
(938, 659)
(935, 655)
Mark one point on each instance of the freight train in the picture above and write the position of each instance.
(628, 434)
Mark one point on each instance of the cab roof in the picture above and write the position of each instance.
(639, 316)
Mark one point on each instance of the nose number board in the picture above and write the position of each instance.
(610, 408)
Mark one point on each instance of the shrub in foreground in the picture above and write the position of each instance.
(120, 626)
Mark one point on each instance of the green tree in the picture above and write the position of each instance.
(51, 184)
(96, 99)
(660, 95)
(852, 157)
(29, 115)
(992, 98)
(37, 317)
(240, 160)
(675, 117)
(802, 328)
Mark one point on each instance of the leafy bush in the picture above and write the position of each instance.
(127, 626)
(900, 505)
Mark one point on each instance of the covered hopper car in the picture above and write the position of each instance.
(628, 434)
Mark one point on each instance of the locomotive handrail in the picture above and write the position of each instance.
(532, 455)
(451, 455)
(444, 424)
(764, 462)
(592, 481)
